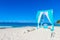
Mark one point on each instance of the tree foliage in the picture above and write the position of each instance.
(58, 21)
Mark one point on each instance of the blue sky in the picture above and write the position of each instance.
(26, 10)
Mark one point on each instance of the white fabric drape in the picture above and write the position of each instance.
(49, 15)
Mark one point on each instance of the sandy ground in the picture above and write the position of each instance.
(29, 33)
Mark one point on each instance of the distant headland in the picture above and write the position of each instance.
(58, 21)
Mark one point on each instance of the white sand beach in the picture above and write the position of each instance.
(29, 33)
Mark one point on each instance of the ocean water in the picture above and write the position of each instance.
(18, 24)
(22, 24)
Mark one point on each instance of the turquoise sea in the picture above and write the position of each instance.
(22, 24)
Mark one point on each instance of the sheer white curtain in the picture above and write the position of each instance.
(49, 15)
